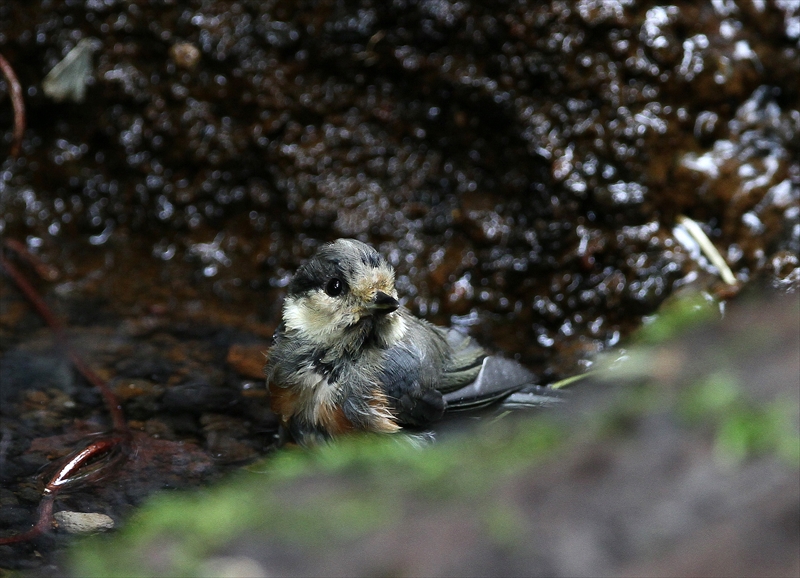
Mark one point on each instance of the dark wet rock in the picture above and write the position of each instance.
(14, 515)
(16, 441)
(150, 367)
(139, 397)
(10, 471)
(30, 463)
(161, 464)
(7, 498)
(88, 397)
(82, 313)
(195, 331)
(19, 369)
(182, 423)
(226, 337)
(223, 438)
(199, 397)
(12, 561)
(29, 493)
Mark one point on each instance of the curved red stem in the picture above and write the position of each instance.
(114, 407)
(74, 465)
(17, 102)
(43, 523)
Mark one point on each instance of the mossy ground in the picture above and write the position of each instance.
(334, 497)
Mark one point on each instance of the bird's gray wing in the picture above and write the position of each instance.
(465, 359)
(436, 369)
(412, 371)
(497, 378)
(403, 381)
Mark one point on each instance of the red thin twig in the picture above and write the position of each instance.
(114, 407)
(45, 271)
(43, 523)
(87, 464)
(17, 103)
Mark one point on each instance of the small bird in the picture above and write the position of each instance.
(348, 357)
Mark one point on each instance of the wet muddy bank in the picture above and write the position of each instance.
(520, 166)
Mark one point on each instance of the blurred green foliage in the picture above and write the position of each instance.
(184, 527)
(742, 428)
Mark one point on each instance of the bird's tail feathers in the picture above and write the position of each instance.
(501, 379)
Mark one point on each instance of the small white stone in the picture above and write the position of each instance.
(83, 522)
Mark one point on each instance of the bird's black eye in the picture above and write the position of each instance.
(335, 287)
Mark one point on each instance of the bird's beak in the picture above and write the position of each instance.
(383, 303)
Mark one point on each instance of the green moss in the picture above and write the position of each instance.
(743, 427)
(710, 397)
(753, 430)
(676, 316)
(505, 525)
(177, 530)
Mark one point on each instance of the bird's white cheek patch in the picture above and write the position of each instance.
(316, 323)
(298, 317)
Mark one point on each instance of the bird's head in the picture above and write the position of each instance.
(343, 297)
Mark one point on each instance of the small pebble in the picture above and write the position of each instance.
(83, 522)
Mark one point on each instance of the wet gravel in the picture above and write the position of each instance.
(519, 165)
